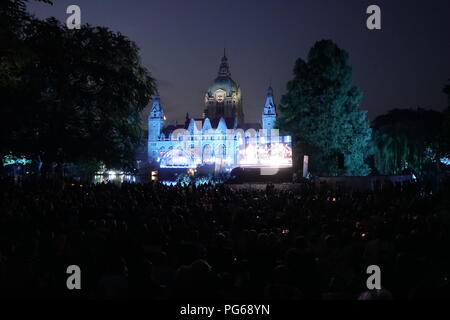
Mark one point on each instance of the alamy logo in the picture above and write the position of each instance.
(74, 20)
(374, 281)
(374, 20)
(74, 280)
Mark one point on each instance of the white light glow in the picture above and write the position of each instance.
(270, 155)
(445, 161)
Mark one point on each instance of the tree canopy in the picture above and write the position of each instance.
(446, 90)
(72, 95)
(408, 139)
(321, 111)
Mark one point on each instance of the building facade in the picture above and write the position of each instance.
(221, 137)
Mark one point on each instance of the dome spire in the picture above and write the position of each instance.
(224, 70)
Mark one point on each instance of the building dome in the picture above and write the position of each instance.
(224, 83)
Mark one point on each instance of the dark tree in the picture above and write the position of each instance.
(408, 139)
(321, 110)
(446, 124)
(78, 96)
(13, 19)
(446, 90)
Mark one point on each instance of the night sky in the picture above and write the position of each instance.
(404, 65)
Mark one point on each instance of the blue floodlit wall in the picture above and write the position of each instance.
(226, 149)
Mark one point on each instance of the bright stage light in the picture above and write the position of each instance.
(445, 161)
(274, 155)
(250, 152)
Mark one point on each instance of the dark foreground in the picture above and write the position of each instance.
(158, 242)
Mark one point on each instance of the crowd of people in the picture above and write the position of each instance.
(151, 241)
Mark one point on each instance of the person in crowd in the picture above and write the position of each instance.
(152, 241)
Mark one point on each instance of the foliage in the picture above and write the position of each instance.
(446, 90)
(321, 111)
(446, 128)
(72, 95)
(407, 139)
(13, 51)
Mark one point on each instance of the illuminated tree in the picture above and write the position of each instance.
(321, 110)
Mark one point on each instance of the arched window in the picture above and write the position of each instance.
(207, 155)
(222, 151)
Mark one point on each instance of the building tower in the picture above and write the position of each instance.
(156, 120)
(269, 115)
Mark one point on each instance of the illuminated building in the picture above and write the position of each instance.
(221, 137)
